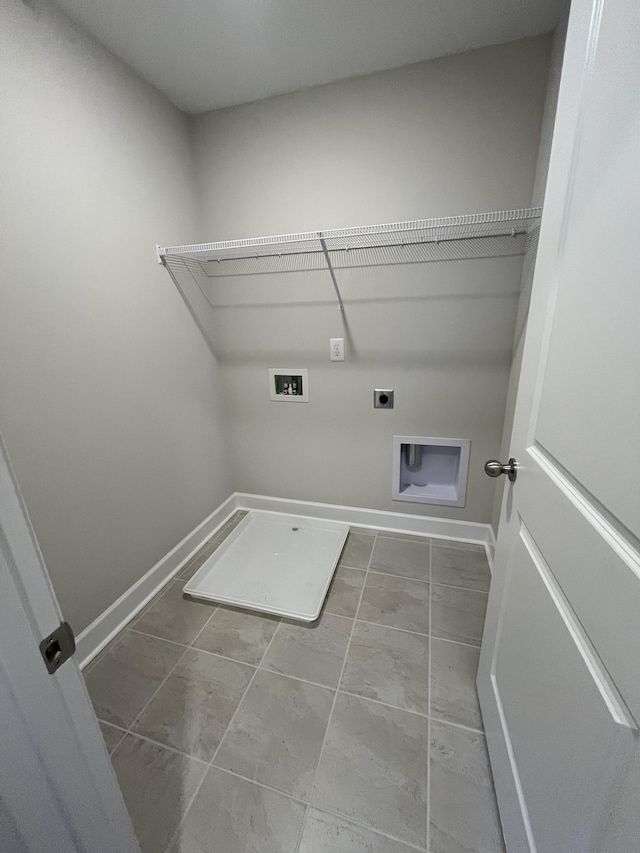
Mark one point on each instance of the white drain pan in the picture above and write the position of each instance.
(275, 563)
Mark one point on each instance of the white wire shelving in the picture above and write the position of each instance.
(476, 235)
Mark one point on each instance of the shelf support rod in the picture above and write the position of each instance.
(333, 275)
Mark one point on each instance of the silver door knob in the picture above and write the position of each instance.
(493, 468)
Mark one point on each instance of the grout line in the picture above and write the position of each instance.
(456, 642)
(428, 826)
(400, 577)
(259, 784)
(296, 678)
(385, 704)
(235, 713)
(459, 642)
(155, 637)
(353, 568)
(222, 657)
(372, 829)
(335, 699)
(210, 763)
(205, 626)
(113, 725)
(420, 580)
(173, 749)
(158, 689)
(465, 588)
(119, 729)
(129, 730)
(393, 627)
(458, 726)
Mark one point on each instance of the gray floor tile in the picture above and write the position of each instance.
(464, 816)
(111, 735)
(453, 683)
(101, 654)
(276, 736)
(174, 616)
(357, 550)
(238, 634)
(398, 602)
(367, 531)
(124, 680)
(189, 570)
(344, 592)
(373, 768)
(408, 537)
(401, 557)
(157, 785)
(231, 815)
(388, 665)
(457, 614)
(460, 567)
(455, 543)
(314, 652)
(325, 833)
(194, 706)
(230, 525)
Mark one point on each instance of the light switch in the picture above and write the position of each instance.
(336, 349)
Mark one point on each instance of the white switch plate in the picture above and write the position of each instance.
(336, 349)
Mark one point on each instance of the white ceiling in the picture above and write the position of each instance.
(205, 54)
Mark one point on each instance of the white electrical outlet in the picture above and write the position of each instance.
(336, 349)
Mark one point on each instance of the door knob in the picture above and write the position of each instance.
(493, 468)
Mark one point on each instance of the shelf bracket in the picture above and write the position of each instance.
(333, 275)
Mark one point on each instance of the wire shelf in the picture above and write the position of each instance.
(477, 235)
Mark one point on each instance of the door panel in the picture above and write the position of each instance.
(58, 791)
(589, 417)
(556, 697)
(594, 566)
(558, 678)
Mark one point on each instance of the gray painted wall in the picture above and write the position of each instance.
(109, 396)
(110, 400)
(454, 135)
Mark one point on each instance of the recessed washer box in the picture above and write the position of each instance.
(289, 384)
(430, 470)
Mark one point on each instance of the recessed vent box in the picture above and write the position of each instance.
(430, 470)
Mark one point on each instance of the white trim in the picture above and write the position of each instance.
(395, 522)
(103, 629)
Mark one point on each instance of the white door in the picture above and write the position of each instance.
(58, 793)
(559, 677)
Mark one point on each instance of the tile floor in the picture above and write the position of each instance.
(232, 732)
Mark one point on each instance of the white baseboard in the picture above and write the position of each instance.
(94, 638)
(396, 522)
(102, 630)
